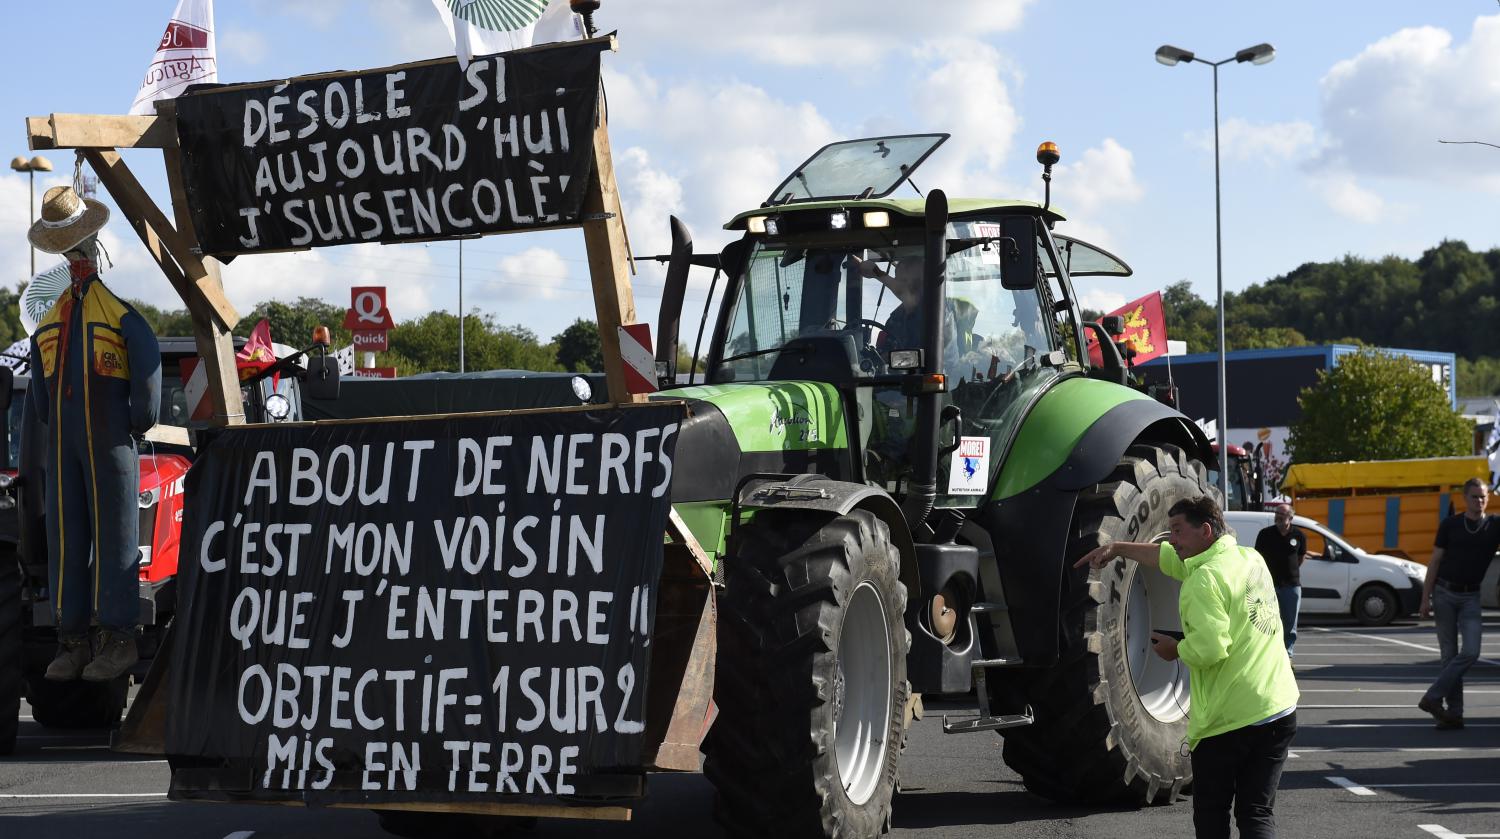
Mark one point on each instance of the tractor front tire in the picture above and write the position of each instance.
(811, 678)
(1111, 717)
(12, 661)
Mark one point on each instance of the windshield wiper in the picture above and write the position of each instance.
(751, 354)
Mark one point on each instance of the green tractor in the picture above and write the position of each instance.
(897, 451)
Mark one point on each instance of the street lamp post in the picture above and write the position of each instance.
(31, 167)
(1258, 54)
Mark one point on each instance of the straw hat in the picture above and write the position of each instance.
(66, 220)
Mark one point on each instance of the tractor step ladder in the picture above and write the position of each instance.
(987, 721)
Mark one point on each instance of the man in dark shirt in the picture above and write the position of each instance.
(1461, 554)
(1284, 549)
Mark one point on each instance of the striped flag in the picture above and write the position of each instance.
(481, 27)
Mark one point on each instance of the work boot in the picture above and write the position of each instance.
(116, 653)
(1435, 708)
(1450, 723)
(72, 658)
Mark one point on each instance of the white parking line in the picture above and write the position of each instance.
(1349, 785)
(85, 795)
(1399, 642)
(1467, 725)
(1444, 833)
(240, 834)
(1402, 749)
(1443, 786)
(1467, 691)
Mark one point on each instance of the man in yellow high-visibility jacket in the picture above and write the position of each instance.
(1244, 697)
(96, 385)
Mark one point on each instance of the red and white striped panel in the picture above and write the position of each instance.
(638, 357)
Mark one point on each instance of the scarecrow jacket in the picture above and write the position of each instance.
(98, 334)
(1232, 642)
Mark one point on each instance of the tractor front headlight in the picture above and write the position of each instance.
(6, 480)
(147, 498)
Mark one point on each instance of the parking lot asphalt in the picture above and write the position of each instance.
(1366, 763)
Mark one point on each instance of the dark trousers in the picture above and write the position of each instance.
(1241, 768)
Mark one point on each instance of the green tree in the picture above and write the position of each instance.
(430, 343)
(10, 315)
(174, 323)
(1376, 406)
(578, 348)
(292, 323)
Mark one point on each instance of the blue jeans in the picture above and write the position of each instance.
(1458, 628)
(1290, 600)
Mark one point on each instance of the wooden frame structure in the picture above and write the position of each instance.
(680, 690)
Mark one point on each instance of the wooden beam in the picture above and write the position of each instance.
(100, 131)
(211, 323)
(678, 530)
(609, 261)
(135, 202)
(693, 709)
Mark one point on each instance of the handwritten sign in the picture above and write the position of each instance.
(417, 152)
(436, 609)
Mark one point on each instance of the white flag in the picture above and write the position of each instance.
(480, 27)
(185, 56)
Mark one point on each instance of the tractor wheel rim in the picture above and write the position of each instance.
(1151, 603)
(862, 694)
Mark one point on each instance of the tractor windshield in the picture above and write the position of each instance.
(836, 312)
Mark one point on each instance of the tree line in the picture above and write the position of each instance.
(1445, 300)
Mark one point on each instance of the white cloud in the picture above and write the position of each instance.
(1102, 176)
(245, 46)
(967, 93)
(320, 14)
(1100, 299)
(1385, 109)
(1347, 198)
(535, 273)
(1240, 139)
(802, 33)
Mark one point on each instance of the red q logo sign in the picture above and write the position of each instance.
(367, 310)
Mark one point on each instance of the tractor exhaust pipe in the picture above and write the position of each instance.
(921, 491)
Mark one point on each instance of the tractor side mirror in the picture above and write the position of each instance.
(1018, 253)
(1113, 324)
(322, 380)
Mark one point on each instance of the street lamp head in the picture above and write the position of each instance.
(1258, 54)
(1171, 56)
(36, 164)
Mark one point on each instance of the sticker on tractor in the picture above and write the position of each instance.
(969, 472)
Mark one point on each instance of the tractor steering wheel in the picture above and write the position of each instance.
(870, 359)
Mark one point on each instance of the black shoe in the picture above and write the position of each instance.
(1435, 708)
(117, 653)
(1450, 723)
(72, 658)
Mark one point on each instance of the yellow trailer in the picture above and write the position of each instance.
(1384, 506)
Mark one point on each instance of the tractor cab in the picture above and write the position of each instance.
(838, 282)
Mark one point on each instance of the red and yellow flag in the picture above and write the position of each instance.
(1145, 331)
(257, 354)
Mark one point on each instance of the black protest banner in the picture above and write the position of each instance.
(425, 610)
(416, 152)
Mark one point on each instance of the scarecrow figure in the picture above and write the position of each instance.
(96, 385)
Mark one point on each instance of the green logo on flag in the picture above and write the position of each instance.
(499, 15)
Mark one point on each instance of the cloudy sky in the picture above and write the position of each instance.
(1331, 149)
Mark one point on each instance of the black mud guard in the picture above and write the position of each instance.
(817, 492)
(1031, 530)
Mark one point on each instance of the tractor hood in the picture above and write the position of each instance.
(734, 430)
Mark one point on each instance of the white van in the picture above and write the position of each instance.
(1341, 579)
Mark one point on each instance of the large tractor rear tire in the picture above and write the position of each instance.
(811, 682)
(11, 659)
(1111, 717)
